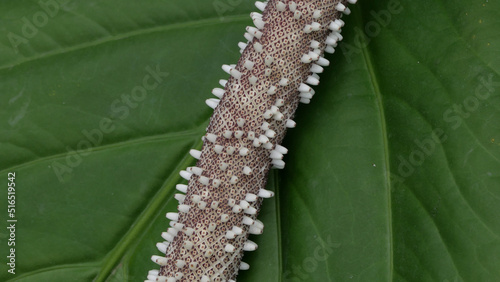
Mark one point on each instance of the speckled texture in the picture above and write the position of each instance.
(215, 192)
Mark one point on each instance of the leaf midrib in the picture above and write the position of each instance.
(151, 138)
(144, 220)
(380, 106)
(57, 267)
(138, 32)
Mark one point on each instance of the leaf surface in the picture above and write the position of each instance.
(393, 172)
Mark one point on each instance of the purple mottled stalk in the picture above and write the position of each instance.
(285, 51)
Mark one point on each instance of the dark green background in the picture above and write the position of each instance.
(357, 189)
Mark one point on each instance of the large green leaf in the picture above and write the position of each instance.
(393, 172)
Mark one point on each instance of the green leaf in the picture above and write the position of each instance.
(393, 172)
